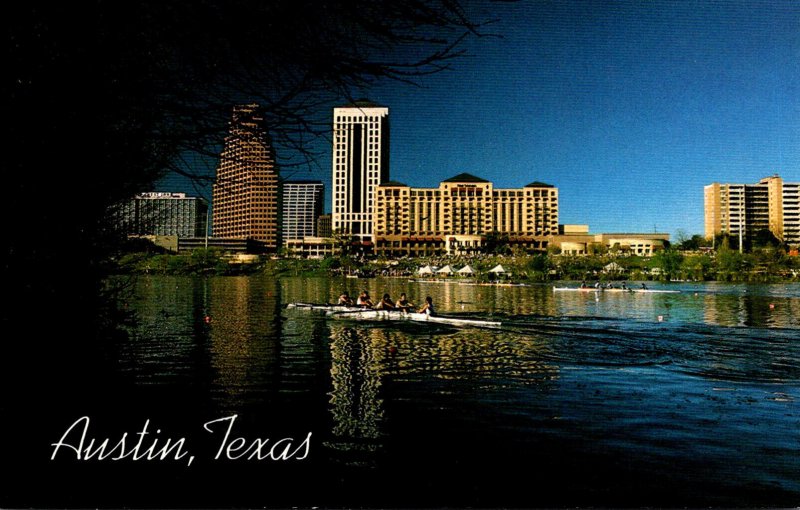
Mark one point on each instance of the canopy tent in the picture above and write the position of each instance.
(425, 270)
(445, 270)
(466, 270)
(497, 269)
(613, 268)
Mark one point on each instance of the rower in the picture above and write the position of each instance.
(364, 300)
(345, 299)
(427, 307)
(583, 284)
(403, 303)
(644, 287)
(624, 286)
(385, 304)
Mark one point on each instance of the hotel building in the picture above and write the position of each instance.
(771, 204)
(302, 206)
(162, 214)
(457, 217)
(360, 164)
(246, 199)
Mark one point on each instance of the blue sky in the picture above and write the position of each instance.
(629, 107)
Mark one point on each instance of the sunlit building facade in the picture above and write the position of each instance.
(747, 209)
(246, 198)
(302, 206)
(162, 214)
(458, 216)
(360, 164)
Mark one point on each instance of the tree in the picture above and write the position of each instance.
(99, 97)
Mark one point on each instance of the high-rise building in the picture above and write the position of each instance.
(162, 214)
(302, 205)
(747, 209)
(459, 215)
(360, 164)
(246, 198)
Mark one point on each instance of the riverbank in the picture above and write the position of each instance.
(760, 266)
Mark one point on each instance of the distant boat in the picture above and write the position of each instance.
(594, 289)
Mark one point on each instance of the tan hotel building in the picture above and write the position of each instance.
(771, 204)
(456, 217)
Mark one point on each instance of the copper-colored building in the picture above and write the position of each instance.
(246, 199)
(457, 217)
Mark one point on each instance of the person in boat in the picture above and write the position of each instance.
(404, 304)
(624, 286)
(583, 284)
(364, 300)
(644, 287)
(427, 307)
(345, 300)
(597, 285)
(385, 303)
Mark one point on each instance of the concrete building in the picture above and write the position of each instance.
(459, 215)
(246, 198)
(324, 226)
(360, 164)
(576, 240)
(302, 206)
(162, 214)
(747, 209)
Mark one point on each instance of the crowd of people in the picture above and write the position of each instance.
(386, 303)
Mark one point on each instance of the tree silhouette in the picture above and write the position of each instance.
(103, 99)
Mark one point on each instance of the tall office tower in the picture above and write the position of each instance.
(162, 214)
(746, 209)
(360, 164)
(246, 198)
(302, 205)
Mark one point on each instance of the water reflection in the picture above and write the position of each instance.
(244, 339)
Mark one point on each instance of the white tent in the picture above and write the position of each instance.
(445, 270)
(425, 270)
(497, 269)
(466, 270)
(613, 268)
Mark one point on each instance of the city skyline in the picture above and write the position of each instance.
(629, 109)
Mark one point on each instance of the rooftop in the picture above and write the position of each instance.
(465, 177)
(537, 184)
(362, 103)
(393, 184)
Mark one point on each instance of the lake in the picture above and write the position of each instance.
(603, 399)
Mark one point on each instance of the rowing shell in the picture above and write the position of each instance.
(394, 315)
(324, 308)
(593, 289)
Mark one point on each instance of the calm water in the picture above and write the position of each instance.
(580, 399)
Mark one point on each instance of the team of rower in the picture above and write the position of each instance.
(386, 303)
(610, 285)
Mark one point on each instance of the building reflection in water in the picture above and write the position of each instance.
(742, 309)
(244, 340)
(364, 359)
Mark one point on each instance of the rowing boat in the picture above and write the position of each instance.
(324, 307)
(397, 315)
(593, 289)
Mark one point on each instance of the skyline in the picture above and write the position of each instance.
(629, 109)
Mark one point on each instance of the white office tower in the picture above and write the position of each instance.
(360, 164)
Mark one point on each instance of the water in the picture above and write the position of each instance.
(613, 399)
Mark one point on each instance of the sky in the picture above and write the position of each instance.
(629, 107)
